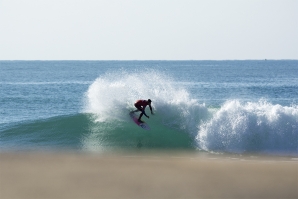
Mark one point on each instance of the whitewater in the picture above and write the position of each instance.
(87, 111)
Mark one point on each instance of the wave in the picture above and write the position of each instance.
(235, 127)
(55, 132)
(251, 127)
(110, 98)
(84, 132)
(179, 122)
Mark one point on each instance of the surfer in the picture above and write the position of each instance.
(141, 105)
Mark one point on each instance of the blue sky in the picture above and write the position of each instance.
(148, 29)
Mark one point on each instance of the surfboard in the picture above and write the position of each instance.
(135, 118)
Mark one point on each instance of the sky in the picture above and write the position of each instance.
(148, 29)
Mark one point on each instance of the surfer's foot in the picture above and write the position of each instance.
(140, 121)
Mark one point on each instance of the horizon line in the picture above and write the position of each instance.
(149, 60)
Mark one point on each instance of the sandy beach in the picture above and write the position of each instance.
(146, 175)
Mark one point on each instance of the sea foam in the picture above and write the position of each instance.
(251, 127)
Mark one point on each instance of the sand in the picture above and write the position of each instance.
(146, 175)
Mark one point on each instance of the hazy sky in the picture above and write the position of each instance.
(148, 29)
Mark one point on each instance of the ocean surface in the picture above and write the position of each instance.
(241, 107)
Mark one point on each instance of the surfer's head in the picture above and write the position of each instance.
(149, 101)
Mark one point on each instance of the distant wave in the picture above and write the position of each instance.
(46, 83)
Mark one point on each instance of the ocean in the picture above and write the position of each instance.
(238, 107)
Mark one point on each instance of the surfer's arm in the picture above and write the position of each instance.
(150, 109)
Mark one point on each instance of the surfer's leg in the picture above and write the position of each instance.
(143, 112)
(141, 117)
